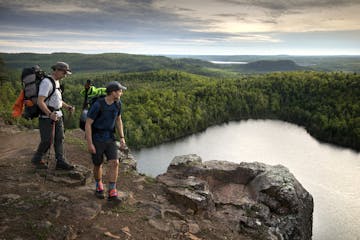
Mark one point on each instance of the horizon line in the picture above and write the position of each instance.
(174, 54)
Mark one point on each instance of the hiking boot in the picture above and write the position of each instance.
(40, 164)
(99, 191)
(113, 196)
(63, 165)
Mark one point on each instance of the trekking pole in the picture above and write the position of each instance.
(52, 135)
(67, 120)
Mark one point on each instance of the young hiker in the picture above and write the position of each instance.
(103, 116)
(52, 114)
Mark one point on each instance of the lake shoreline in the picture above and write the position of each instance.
(319, 166)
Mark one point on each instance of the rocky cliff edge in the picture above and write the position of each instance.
(192, 200)
(265, 202)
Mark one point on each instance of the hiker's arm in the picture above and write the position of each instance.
(42, 105)
(88, 134)
(68, 107)
(120, 129)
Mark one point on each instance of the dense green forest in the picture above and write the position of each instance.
(163, 105)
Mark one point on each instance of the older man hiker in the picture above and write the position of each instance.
(52, 116)
(103, 116)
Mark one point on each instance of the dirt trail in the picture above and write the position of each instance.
(32, 208)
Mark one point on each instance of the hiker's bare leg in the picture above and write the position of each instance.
(113, 168)
(98, 172)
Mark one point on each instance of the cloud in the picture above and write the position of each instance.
(151, 23)
(169, 17)
(89, 46)
(289, 5)
(23, 33)
(254, 38)
(268, 15)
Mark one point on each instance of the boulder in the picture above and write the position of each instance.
(263, 201)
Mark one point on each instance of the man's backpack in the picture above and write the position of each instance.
(31, 79)
(91, 94)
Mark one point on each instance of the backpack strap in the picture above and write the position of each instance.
(53, 89)
(102, 104)
(52, 92)
(101, 101)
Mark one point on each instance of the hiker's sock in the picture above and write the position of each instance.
(112, 185)
(113, 194)
(98, 184)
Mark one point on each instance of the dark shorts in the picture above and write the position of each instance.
(109, 149)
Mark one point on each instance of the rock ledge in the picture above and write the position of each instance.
(266, 202)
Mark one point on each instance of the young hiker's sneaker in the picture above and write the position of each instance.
(113, 196)
(63, 165)
(40, 164)
(99, 192)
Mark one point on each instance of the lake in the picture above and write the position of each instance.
(331, 174)
(227, 62)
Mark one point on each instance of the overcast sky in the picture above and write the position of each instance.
(220, 27)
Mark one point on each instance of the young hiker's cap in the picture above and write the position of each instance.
(62, 66)
(114, 86)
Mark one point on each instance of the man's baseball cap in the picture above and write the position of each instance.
(114, 86)
(62, 66)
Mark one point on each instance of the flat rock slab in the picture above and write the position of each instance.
(80, 175)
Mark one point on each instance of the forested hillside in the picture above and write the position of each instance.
(110, 62)
(316, 63)
(142, 63)
(192, 64)
(164, 105)
(263, 66)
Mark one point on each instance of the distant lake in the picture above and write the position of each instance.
(224, 62)
(331, 174)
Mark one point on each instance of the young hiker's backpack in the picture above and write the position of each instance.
(30, 79)
(91, 94)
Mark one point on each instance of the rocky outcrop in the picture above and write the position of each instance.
(80, 175)
(266, 202)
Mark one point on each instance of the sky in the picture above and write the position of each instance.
(182, 27)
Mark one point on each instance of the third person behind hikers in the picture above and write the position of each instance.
(102, 119)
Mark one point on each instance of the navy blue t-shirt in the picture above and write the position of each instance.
(104, 117)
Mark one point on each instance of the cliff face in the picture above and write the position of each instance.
(265, 202)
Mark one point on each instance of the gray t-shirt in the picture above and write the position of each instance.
(55, 100)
